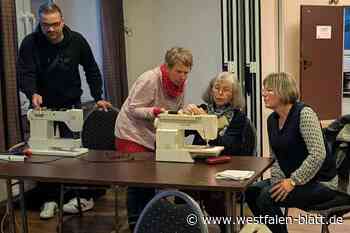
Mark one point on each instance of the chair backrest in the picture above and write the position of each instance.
(98, 130)
(249, 140)
(162, 215)
(339, 149)
(337, 135)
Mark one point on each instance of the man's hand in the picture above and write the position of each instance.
(280, 191)
(103, 104)
(37, 101)
(192, 109)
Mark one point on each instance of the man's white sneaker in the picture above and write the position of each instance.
(48, 210)
(72, 206)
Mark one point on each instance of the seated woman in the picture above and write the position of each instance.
(304, 173)
(223, 98)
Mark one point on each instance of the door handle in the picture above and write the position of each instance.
(306, 64)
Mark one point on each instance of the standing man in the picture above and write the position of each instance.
(48, 63)
(48, 73)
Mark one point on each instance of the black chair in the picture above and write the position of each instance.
(337, 139)
(249, 141)
(98, 130)
(97, 134)
(162, 215)
(336, 207)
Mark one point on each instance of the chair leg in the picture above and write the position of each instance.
(23, 208)
(200, 201)
(79, 204)
(324, 228)
(116, 213)
(286, 214)
(60, 210)
(242, 208)
(10, 206)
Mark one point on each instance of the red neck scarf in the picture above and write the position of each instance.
(170, 88)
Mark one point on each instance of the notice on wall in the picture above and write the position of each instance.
(324, 32)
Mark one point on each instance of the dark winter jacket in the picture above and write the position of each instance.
(52, 70)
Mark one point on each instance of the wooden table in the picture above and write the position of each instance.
(136, 170)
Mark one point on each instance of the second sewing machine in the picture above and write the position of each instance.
(44, 141)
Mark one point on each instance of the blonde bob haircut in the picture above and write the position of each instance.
(178, 55)
(283, 85)
(237, 100)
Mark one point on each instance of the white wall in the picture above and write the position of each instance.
(160, 24)
(83, 16)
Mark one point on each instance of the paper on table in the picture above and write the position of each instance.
(234, 174)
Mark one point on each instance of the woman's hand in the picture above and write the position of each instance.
(192, 109)
(280, 191)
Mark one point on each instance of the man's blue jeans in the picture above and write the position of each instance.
(259, 200)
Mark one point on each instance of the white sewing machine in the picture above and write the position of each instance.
(170, 137)
(43, 140)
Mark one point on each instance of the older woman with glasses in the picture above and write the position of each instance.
(223, 98)
(303, 173)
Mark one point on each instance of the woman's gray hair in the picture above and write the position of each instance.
(283, 85)
(237, 100)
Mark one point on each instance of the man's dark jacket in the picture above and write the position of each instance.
(52, 70)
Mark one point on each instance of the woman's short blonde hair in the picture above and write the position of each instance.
(283, 85)
(178, 55)
(237, 97)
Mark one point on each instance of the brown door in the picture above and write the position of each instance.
(321, 56)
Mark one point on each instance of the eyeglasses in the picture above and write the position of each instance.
(224, 90)
(267, 91)
(49, 25)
